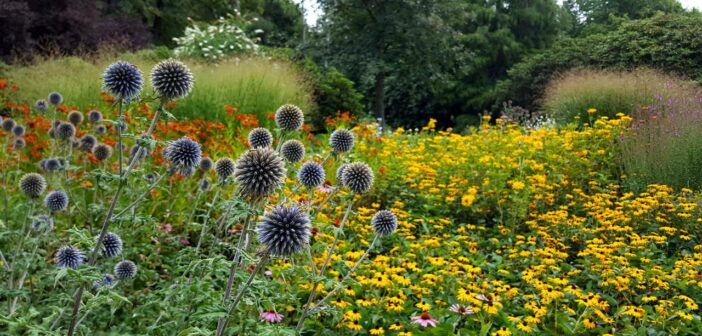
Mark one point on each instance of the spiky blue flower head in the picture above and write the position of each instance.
(42, 223)
(289, 117)
(171, 79)
(87, 142)
(150, 177)
(224, 168)
(311, 174)
(102, 152)
(111, 245)
(52, 164)
(187, 171)
(204, 184)
(358, 177)
(41, 105)
(125, 270)
(260, 137)
(32, 185)
(384, 222)
(123, 80)
(19, 143)
(56, 200)
(100, 129)
(8, 124)
(75, 118)
(18, 130)
(94, 116)
(342, 140)
(108, 280)
(340, 174)
(259, 172)
(69, 257)
(55, 98)
(285, 230)
(183, 153)
(135, 149)
(206, 164)
(293, 151)
(65, 131)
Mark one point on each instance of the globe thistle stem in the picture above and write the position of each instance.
(119, 134)
(330, 251)
(140, 198)
(321, 205)
(204, 222)
(20, 283)
(261, 262)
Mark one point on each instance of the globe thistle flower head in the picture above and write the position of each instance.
(260, 137)
(75, 118)
(56, 200)
(87, 142)
(8, 124)
(224, 168)
(55, 98)
(340, 174)
(135, 149)
(125, 270)
(259, 172)
(108, 280)
(358, 177)
(293, 151)
(171, 79)
(123, 80)
(69, 257)
(206, 164)
(289, 117)
(18, 130)
(41, 105)
(183, 153)
(204, 185)
(111, 245)
(187, 171)
(342, 140)
(311, 174)
(95, 116)
(384, 222)
(285, 230)
(19, 143)
(150, 177)
(102, 152)
(42, 223)
(52, 165)
(65, 131)
(32, 185)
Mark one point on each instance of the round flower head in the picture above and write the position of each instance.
(18, 130)
(340, 174)
(41, 105)
(135, 149)
(42, 223)
(55, 98)
(183, 153)
(289, 117)
(69, 257)
(204, 185)
(358, 177)
(56, 200)
(102, 152)
(65, 131)
(259, 171)
(224, 168)
(75, 118)
(384, 222)
(171, 79)
(293, 151)
(285, 230)
(100, 129)
(311, 174)
(125, 270)
(52, 164)
(187, 171)
(260, 137)
(108, 280)
(8, 124)
(123, 80)
(32, 185)
(111, 245)
(206, 164)
(94, 116)
(19, 143)
(341, 140)
(87, 142)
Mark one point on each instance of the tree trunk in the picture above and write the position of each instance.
(379, 100)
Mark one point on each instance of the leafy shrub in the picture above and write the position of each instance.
(218, 40)
(572, 94)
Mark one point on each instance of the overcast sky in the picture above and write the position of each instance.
(313, 11)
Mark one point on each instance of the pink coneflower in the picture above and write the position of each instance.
(488, 298)
(268, 273)
(271, 316)
(461, 309)
(167, 228)
(324, 188)
(184, 242)
(424, 320)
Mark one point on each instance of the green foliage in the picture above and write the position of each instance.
(599, 16)
(215, 41)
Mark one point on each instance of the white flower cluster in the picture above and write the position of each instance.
(220, 39)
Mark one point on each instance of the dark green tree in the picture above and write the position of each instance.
(599, 16)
